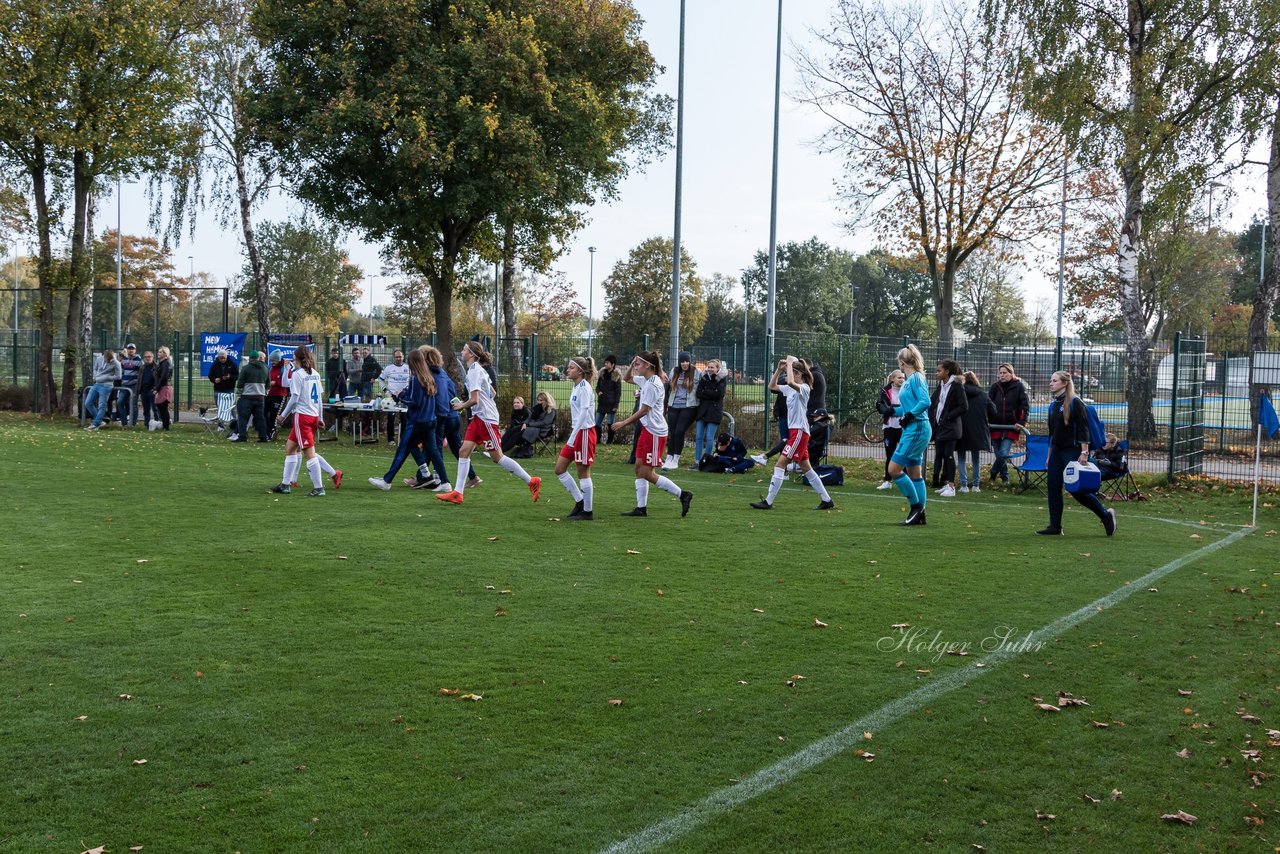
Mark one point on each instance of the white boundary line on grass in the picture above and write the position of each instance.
(765, 780)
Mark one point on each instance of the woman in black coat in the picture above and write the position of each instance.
(608, 396)
(947, 414)
(710, 394)
(1011, 404)
(519, 416)
(975, 439)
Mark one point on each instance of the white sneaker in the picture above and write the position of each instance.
(760, 459)
(964, 489)
(793, 467)
(92, 427)
(231, 437)
(380, 483)
(947, 491)
(885, 485)
(976, 488)
(444, 487)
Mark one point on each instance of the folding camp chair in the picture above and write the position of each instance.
(1120, 485)
(1032, 464)
(549, 438)
(224, 418)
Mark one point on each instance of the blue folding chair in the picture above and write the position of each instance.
(1033, 464)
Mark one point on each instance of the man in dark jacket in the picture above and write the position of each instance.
(252, 384)
(1010, 405)
(369, 371)
(608, 396)
(729, 455)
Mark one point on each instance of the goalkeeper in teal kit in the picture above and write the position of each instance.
(906, 466)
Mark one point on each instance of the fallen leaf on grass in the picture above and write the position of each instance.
(199, 674)
(1183, 692)
(660, 592)
(923, 670)
(1071, 701)
(797, 676)
(101, 849)
(135, 847)
(1100, 724)
(1090, 799)
(449, 692)
(500, 612)
(82, 718)
(141, 560)
(1237, 590)
(1045, 816)
(632, 552)
(1247, 718)
(1181, 816)
(471, 697)
(1116, 794)
(1252, 755)
(139, 762)
(615, 702)
(1153, 589)
(757, 611)
(1196, 537)
(557, 519)
(1184, 753)
(1047, 707)
(818, 624)
(1253, 821)
(493, 539)
(862, 754)
(743, 682)
(957, 652)
(868, 736)
(900, 626)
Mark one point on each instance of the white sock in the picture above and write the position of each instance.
(566, 480)
(642, 492)
(666, 484)
(324, 465)
(424, 471)
(464, 466)
(587, 489)
(514, 467)
(775, 483)
(817, 484)
(291, 462)
(313, 469)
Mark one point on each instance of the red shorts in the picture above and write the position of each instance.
(650, 450)
(303, 431)
(582, 450)
(797, 448)
(483, 434)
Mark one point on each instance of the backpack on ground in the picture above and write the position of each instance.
(830, 475)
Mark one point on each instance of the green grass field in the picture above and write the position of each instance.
(191, 664)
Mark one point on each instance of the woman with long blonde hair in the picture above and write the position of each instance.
(1069, 440)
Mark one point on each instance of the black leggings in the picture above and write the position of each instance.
(681, 420)
(164, 414)
(892, 435)
(944, 461)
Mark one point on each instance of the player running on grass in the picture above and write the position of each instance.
(483, 428)
(796, 392)
(646, 371)
(906, 466)
(306, 396)
(581, 447)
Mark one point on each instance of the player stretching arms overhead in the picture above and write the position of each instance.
(483, 428)
(797, 380)
(306, 396)
(581, 447)
(645, 371)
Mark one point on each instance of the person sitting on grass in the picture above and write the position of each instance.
(728, 455)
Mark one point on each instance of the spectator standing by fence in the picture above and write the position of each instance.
(886, 405)
(1010, 404)
(975, 439)
(333, 374)
(147, 387)
(370, 370)
(164, 385)
(395, 378)
(608, 396)
(130, 381)
(106, 371)
(947, 413)
(710, 394)
(252, 385)
(355, 372)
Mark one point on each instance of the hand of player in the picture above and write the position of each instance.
(906, 418)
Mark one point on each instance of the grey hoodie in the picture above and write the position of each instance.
(106, 372)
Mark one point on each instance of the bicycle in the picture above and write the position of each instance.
(873, 428)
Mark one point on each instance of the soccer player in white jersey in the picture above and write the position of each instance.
(581, 447)
(482, 430)
(796, 392)
(306, 405)
(645, 371)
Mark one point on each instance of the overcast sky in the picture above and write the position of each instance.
(729, 76)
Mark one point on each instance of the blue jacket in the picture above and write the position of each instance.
(445, 392)
(421, 406)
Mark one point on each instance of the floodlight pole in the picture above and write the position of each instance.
(771, 303)
(675, 252)
(591, 282)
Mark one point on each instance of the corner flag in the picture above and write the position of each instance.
(1267, 417)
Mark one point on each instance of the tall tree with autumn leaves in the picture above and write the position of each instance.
(942, 152)
(1152, 92)
(424, 124)
(89, 89)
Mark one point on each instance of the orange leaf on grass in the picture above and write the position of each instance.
(615, 702)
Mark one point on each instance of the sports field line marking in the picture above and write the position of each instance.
(936, 503)
(765, 780)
